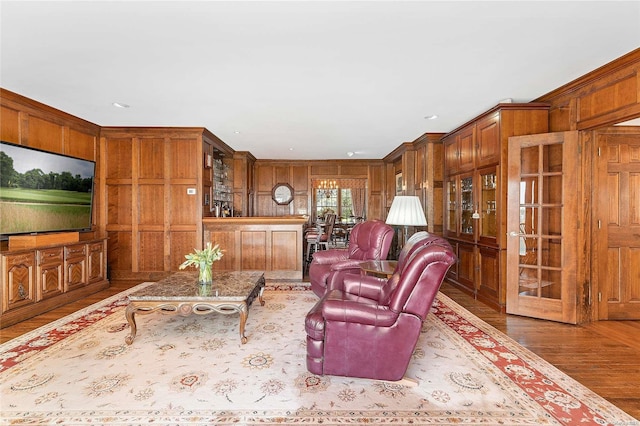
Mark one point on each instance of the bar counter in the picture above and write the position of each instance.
(269, 244)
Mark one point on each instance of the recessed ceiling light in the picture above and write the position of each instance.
(431, 117)
(290, 149)
(350, 153)
(237, 132)
(120, 105)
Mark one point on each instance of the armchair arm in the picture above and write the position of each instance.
(363, 286)
(324, 257)
(352, 311)
(347, 264)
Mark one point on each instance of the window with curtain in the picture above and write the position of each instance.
(347, 201)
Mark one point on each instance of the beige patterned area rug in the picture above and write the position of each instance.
(194, 370)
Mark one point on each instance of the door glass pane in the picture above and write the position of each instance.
(488, 205)
(550, 284)
(552, 158)
(528, 281)
(529, 220)
(551, 251)
(551, 221)
(466, 199)
(528, 190)
(529, 160)
(552, 189)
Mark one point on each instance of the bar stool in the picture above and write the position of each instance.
(320, 238)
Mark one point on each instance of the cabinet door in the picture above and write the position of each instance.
(467, 207)
(488, 284)
(488, 141)
(467, 266)
(96, 267)
(488, 206)
(450, 155)
(18, 283)
(466, 147)
(49, 281)
(451, 208)
(75, 266)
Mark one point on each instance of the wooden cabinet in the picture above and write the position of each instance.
(35, 280)
(475, 195)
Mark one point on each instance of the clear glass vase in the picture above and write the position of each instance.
(204, 274)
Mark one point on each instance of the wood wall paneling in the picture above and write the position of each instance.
(226, 239)
(81, 145)
(282, 242)
(254, 250)
(46, 135)
(10, 129)
(155, 191)
(600, 98)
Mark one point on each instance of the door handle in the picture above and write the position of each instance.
(513, 234)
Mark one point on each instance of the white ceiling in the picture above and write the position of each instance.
(304, 79)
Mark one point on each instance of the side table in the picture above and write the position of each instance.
(384, 268)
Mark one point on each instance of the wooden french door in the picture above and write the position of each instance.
(542, 223)
(618, 229)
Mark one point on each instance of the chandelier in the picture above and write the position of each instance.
(326, 186)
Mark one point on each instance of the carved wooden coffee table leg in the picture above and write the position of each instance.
(244, 314)
(131, 319)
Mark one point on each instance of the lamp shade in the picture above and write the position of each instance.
(406, 210)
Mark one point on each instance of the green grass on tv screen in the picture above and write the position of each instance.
(33, 210)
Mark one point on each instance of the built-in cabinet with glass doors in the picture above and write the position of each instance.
(475, 196)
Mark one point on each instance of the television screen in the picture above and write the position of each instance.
(43, 192)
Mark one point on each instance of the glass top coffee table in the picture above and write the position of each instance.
(180, 293)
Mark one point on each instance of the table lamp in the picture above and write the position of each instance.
(406, 210)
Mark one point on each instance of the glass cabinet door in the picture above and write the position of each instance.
(451, 224)
(488, 206)
(466, 206)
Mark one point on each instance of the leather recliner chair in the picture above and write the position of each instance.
(370, 240)
(370, 328)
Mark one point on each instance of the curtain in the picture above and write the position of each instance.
(358, 196)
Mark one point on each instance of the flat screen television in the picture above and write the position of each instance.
(42, 192)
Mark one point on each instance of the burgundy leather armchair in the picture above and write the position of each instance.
(370, 240)
(370, 328)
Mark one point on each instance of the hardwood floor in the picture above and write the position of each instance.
(604, 356)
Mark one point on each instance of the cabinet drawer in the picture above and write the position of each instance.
(74, 252)
(50, 255)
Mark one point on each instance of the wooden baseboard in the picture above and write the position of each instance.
(18, 242)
